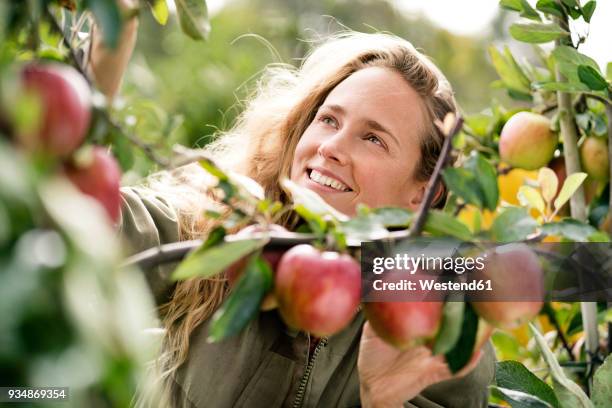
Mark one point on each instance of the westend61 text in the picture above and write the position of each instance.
(432, 284)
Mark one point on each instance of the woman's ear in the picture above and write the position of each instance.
(416, 196)
(419, 194)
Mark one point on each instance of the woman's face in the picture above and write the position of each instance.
(363, 144)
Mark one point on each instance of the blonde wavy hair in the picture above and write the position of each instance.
(262, 142)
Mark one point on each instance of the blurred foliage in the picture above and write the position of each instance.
(204, 81)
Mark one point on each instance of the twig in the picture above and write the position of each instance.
(553, 319)
(417, 227)
(147, 149)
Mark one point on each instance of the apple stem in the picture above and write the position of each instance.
(432, 186)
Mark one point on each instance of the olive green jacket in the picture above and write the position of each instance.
(269, 365)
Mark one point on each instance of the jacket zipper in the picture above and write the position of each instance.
(306, 376)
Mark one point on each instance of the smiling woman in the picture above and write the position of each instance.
(355, 123)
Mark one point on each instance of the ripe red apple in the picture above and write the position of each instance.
(65, 100)
(594, 156)
(318, 292)
(97, 174)
(517, 282)
(526, 141)
(404, 324)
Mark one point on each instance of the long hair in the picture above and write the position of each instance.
(262, 142)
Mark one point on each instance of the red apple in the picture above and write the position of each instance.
(318, 292)
(97, 174)
(526, 141)
(65, 100)
(517, 282)
(404, 324)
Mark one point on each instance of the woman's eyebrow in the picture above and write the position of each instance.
(377, 126)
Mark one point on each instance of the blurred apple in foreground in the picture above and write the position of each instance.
(318, 292)
(65, 102)
(96, 173)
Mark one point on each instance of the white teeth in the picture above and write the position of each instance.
(327, 181)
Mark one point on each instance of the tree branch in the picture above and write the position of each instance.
(432, 186)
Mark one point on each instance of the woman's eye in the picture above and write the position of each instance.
(375, 140)
(327, 120)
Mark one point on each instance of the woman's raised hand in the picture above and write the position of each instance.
(389, 377)
(108, 65)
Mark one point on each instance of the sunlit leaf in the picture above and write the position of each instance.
(530, 197)
(159, 9)
(209, 261)
(392, 217)
(568, 60)
(549, 183)
(537, 32)
(572, 183)
(312, 201)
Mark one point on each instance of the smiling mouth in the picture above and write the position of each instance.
(327, 181)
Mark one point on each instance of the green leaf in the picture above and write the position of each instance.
(515, 376)
(568, 60)
(159, 10)
(609, 71)
(572, 87)
(529, 12)
(312, 201)
(514, 5)
(364, 227)
(568, 393)
(463, 183)
(513, 224)
(530, 197)
(518, 399)
(193, 17)
(509, 70)
(571, 3)
(537, 32)
(108, 17)
(549, 183)
(572, 182)
(208, 261)
(450, 328)
(588, 9)
(592, 78)
(461, 353)
(487, 179)
(211, 167)
(601, 393)
(440, 223)
(550, 7)
(571, 229)
(242, 305)
(393, 217)
(479, 124)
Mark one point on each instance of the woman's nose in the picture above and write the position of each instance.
(335, 148)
